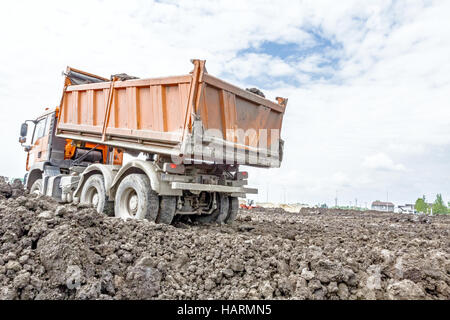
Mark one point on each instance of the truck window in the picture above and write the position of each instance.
(41, 129)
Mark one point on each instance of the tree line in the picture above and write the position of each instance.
(437, 207)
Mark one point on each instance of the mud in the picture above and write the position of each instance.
(50, 251)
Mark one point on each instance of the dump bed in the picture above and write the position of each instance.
(189, 116)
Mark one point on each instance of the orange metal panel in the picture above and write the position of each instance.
(151, 117)
(132, 107)
(229, 115)
(39, 150)
(98, 107)
(132, 83)
(174, 107)
(210, 109)
(84, 112)
(158, 111)
(215, 82)
(122, 109)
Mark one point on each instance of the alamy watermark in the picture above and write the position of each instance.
(239, 146)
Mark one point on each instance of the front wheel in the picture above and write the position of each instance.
(36, 188)
(94, 194)
(135, 198)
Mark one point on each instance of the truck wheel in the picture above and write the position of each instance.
(135, 198)
(37, 187)
(219, 215)
(167, 208)
(94, 193)
(233, 210)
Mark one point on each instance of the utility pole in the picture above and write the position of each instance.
(335, 200)
(356, 202)
(387, 200)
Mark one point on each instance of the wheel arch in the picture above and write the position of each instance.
(107, 171)
(147, 168)
(36, 172)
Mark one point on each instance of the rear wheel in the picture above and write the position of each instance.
(36, 188)
(217, 216)
(94, 194)
(233, 210)
(135, 198)
(167, 208)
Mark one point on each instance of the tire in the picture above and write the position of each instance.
(167, 208)
(217, 216)
(233, 210)
(37, 187)
(94, 193)
(135, 198)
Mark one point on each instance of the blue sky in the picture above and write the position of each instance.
(368, 82)
(318, 45)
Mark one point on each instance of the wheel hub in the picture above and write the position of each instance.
(133, 204)
(95, 199)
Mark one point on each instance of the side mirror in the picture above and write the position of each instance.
(24, 129)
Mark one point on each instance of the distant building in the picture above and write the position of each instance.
(407, 208)
(383, 206)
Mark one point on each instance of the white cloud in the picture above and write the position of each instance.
(380, 161)
(341, 179)
(387, 91)
(249, 65)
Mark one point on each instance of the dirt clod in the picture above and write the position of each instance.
(54, 251)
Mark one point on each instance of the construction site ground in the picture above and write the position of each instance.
(53, 251)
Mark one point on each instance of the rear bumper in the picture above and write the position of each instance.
(212, 188)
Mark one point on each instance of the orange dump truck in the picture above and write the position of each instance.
(187, 137)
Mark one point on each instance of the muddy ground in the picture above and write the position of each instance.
(50, 251)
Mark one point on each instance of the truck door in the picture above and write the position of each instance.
(40, 143)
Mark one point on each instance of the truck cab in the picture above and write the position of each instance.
(44, 148)
(49, 155)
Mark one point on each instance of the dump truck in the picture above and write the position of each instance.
(186, 138)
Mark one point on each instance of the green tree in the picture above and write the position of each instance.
(421, 205)
(439, 206)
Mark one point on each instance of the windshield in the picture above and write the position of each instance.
(41, 129)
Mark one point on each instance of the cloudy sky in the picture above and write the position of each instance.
(368, 82)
